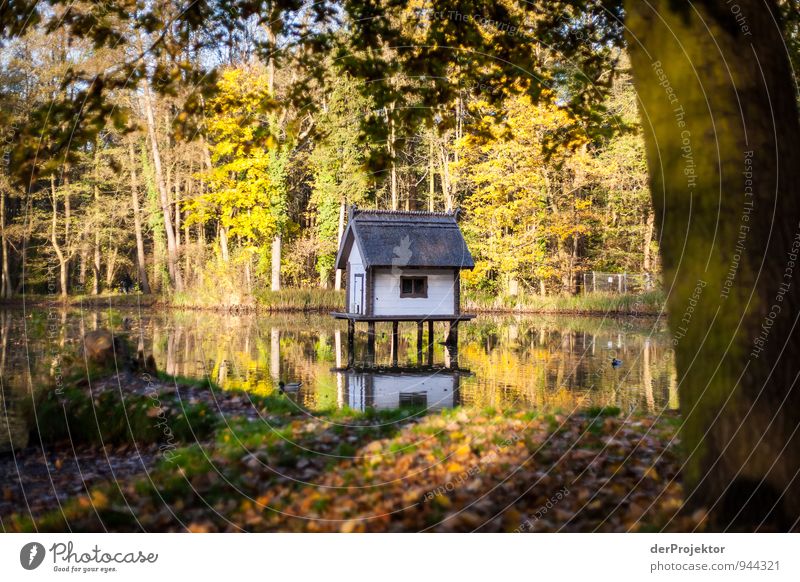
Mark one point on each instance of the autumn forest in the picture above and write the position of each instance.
(248, 191)
(401, 266)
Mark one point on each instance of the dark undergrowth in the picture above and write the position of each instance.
(236, 462)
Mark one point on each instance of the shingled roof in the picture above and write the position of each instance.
(388, 238)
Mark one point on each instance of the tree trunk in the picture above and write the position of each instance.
(82, 266)
(724, 160)
(26, 235)
(444, 175)
(339, 235)
(178, 241)
(62, 259)
(96, 264)
(393, 162)
(223, 243)
(67, 228)
(647, 261)
(431, 176)
(248, 279)
(172, 249)
(188, 192)
(276, 263)
(111, 267)
(96, 257)
(177, 203)
(6, 289)
(141, 263)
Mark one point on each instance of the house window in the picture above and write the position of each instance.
(414, 399)
(413, 286)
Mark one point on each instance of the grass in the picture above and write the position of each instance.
(292, 300)
(311, 300)
(339, 466)
(111, 418)
(649, 303)
(301, 300)
(102, 300)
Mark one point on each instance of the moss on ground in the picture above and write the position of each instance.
(397, 470)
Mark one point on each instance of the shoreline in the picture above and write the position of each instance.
(157, 302)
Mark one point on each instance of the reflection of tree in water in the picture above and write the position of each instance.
(13, 428)
(559, 362)
(546, 362)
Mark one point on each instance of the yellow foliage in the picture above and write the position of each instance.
(246, 186)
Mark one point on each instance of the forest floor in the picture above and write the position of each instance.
(203, 459)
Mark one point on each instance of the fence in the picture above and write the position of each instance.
(597, 281)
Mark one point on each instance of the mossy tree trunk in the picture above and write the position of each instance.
(721, 130)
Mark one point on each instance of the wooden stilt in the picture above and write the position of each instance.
(371, 342)
(452, 333)
(430, 342)
(395, 342)
(351, 332)
(451, 344)
(419, 342)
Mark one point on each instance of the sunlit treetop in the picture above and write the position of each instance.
(425, 52)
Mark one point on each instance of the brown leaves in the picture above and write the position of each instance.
(456, 471)
(498, 474)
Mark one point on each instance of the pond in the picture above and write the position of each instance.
(540, 362)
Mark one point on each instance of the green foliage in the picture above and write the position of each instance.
(652, 302)
(337, 164)
(538, 213)
(603, 411)
(551, 175)
(113, 417)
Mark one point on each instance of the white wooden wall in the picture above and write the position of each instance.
(439, 389)
(441, 293)
(386, 389)
(355, 266)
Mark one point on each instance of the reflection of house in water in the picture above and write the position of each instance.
(386, 388)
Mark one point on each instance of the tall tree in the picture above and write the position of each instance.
(247, 182)
(338, 166)
(175, 276)
(141, 261)
(722, 141)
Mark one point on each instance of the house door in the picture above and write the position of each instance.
(358, 293)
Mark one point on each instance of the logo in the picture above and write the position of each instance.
(31, 555)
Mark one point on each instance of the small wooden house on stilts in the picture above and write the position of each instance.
(403, 266)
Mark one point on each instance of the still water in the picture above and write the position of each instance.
(529, 362)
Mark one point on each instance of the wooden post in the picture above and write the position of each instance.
(275, 354)
(351, 325)
(395, 343)
(337, 342)
(419, 342)
(371, 342)
(452, 333)
(430, 342)
(451, 343)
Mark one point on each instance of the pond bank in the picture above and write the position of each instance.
(268, 464)
(323, 301)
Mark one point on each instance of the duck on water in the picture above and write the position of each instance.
(290, 388)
